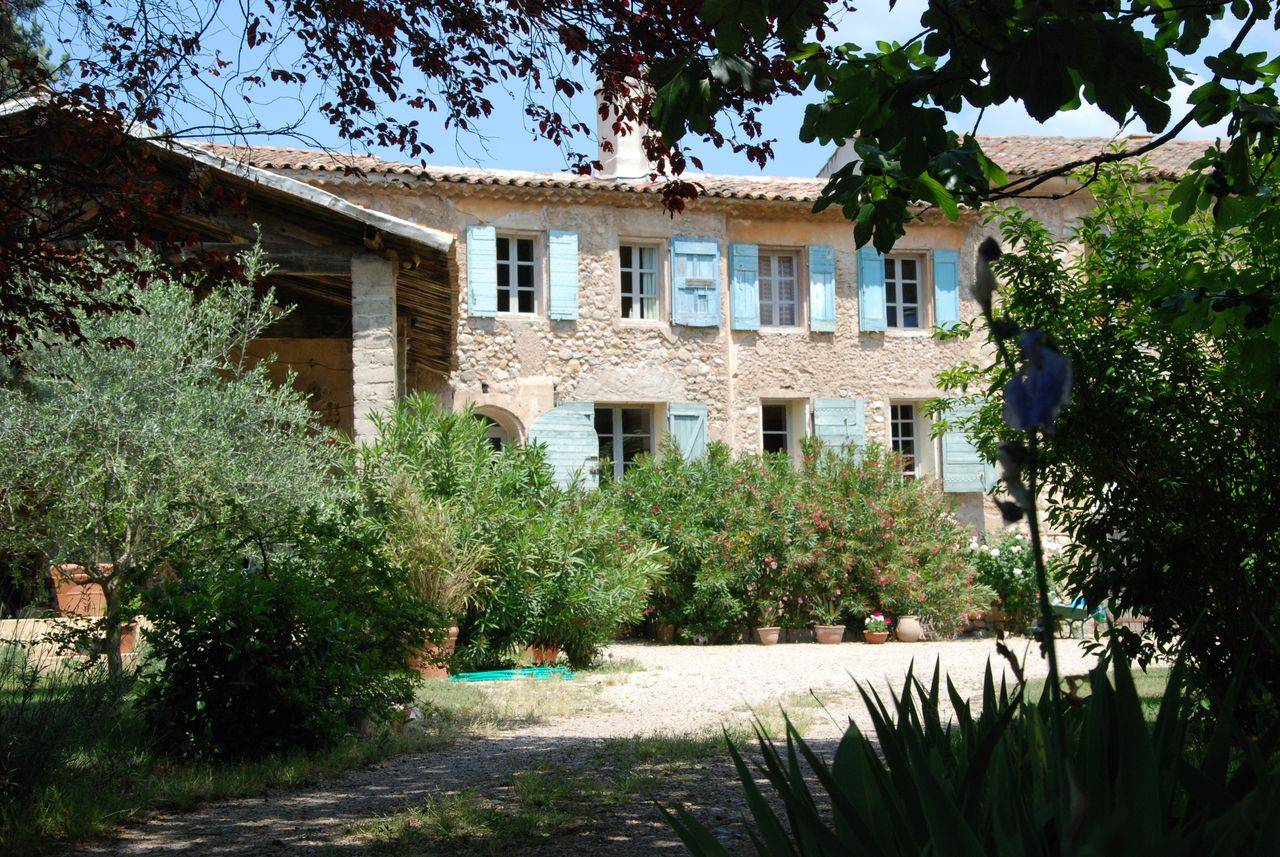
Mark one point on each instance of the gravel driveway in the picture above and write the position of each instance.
(668, 690)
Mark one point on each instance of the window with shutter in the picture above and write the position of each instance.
(840, 423)
(638, 268)
(687, 423)
(562, 267)
(568, 436)
(964, 470)
(695, 275)
(482, 284)
(871, 294)
(822, 289)
(946, 287)
(516, 274)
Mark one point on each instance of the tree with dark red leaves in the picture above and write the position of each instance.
(70, 165)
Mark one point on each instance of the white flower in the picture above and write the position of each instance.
(995, 551)
(973, 545)
(985, 549)
(1017, 572)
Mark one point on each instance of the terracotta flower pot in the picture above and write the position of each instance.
(77, 594)
(664, 633)
(544, 654)
(433, 659)
(909, 629)
(768, 636)
(875, 637)
(829, 634)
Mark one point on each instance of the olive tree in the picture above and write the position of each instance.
(128, 448)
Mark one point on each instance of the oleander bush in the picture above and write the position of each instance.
(758, 540)
(558, 566)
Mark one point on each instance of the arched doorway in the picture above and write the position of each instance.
(502, 428)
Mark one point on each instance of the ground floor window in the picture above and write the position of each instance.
(625, 433)
(775, 428)
(902, 428)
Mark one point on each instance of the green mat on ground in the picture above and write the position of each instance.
(511, 675)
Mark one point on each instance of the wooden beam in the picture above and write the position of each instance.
(296, 260)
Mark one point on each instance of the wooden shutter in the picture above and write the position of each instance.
(563, 266)
(822, 289)
(946, 287)
(687, 423)
(840, 423)
(572, 447)
(695, 294)
(871, 304)
(963, 469)
(744, 286)
(482, 271)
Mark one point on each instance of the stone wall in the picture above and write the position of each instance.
(521, 365)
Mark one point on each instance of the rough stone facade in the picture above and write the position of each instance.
(515, 367)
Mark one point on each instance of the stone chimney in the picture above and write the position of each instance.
(626, 161)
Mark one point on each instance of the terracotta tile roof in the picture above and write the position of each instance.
(1018, 155)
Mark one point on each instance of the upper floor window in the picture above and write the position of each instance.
(902, 435)
(639, 267)
(625, 434)
(902, 293)
(516, 281)
(779, 289)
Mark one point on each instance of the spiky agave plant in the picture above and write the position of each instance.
(987, 783)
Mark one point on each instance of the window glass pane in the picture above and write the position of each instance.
(635, 420)
(524, 249)
(773, 418)
(775, 442)
(909, 292)
(504, 249)
(504, 299)
(626, 281)
(787, 267)
(526, 301)
(628, 307)
(604, 421)
(646, 258)
(910, 317)
(648, 283)
(624, 255)
(786, 314)
(649, 308)
(524, 275)
(634, 446)
(908, 269)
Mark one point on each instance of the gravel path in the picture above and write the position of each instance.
(673, 690)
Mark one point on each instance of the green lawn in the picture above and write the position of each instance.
(1150, 686)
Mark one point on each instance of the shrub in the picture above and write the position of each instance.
(551, 566)
(1007, 568)
(288, 648)
(994, 782)
(757, 541)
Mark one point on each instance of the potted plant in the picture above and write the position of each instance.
(425, 538)
(875, 628)
(768, 633)
(829, 611)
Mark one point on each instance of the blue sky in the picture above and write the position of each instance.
(505, 140)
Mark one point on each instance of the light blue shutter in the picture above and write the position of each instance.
(695, 299)
(482, 271)
(688, 425)
(946, 287)
(963, 469)
(871, 308)
(822, 289)
(563, 265)
(744, 286)
(568, 434)
(840, 423)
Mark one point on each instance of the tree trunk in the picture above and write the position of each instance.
(111, 628)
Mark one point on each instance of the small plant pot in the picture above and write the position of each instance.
(909, 629)
(544, 654)
(829, 634)
(875, 638)
(768, 636)
(432, 661)
(664, 633)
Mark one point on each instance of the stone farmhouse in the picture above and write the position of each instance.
(575, 312)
